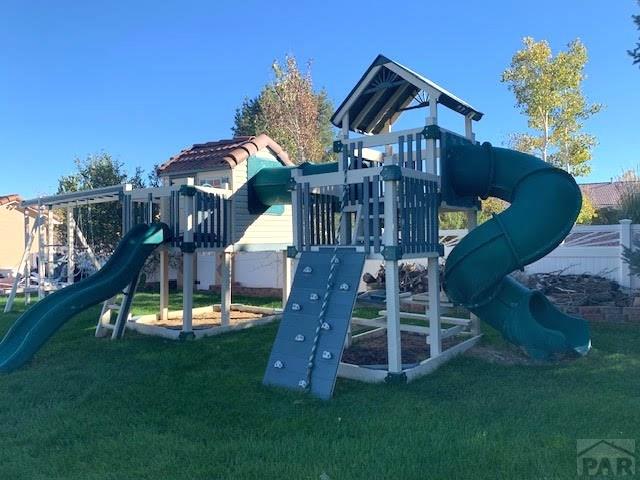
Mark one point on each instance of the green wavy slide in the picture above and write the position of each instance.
(545, 202)
(34, 327)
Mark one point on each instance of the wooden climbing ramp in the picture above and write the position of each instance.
(308, 347)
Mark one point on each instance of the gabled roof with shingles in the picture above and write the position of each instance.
(221, 153)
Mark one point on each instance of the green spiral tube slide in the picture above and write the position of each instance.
(34, 327)
(545, 202)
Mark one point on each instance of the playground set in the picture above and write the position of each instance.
(344, 213)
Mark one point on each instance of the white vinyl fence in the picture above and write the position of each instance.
(593, 249)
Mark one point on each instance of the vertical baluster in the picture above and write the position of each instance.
(312, 218)
(401, 151)
(209, 221)
(377, 232)
(412, 214)
(318, 217)
(171, 220)
(353, 190)
(410, 163)
(218, 221)
(419, 217)
(178, 239)
(323, 215)
(198, 221)
(332, 216)
(300, 208)
(419, 153)
(227, 221)
(307, 217)
(366, 197)
(433, 216)
(360, 164)
(402, 222)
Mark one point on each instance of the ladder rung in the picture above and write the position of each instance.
(113, 306)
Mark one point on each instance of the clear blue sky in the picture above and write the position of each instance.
(143, 80)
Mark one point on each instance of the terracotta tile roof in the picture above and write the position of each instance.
(11, 198)
(232, 152)
(604, 194)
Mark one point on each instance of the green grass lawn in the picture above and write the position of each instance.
(150, 408)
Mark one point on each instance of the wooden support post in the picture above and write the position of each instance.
(71, 229)
(468, 127)
(287, 277)
(432, 161)
(345, 220)
(225, 289)
(164, 263)
(41, 255)
(392, 280)
(472, 222)
(23, 265)
(50, 240)
(435, 330)
(187, 267)
(26, 270)
(164, 283)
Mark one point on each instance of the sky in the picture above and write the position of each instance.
(142, 80)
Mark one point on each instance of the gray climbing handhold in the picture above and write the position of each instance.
(295, 307)
(299, 338)
(313, 296)
(344, 287)
(326, 355)
(307, 269)
(278, 364)
(325, 326)
(302, 384)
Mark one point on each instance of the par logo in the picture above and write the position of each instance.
(606, 458)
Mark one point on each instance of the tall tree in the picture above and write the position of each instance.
(635, 53)
(101, 223)
(548, 90)
(291, 112)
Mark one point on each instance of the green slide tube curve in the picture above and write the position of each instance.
(545, 202)
(35, 326)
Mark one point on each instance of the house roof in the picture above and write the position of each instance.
(10, 198)
(14, 200)
(221, 153)
(605, 194)
(387, 89)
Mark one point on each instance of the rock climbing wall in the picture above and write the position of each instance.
(308, 347)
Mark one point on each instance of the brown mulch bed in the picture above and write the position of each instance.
(372, 349)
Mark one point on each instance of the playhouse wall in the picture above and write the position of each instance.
(257, 230)
(250, 269)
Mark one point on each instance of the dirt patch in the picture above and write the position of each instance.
(500, 355)
(512, 355)
(372, 349)
(205, 320)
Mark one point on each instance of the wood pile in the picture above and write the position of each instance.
(413, 278)
(576, 290)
